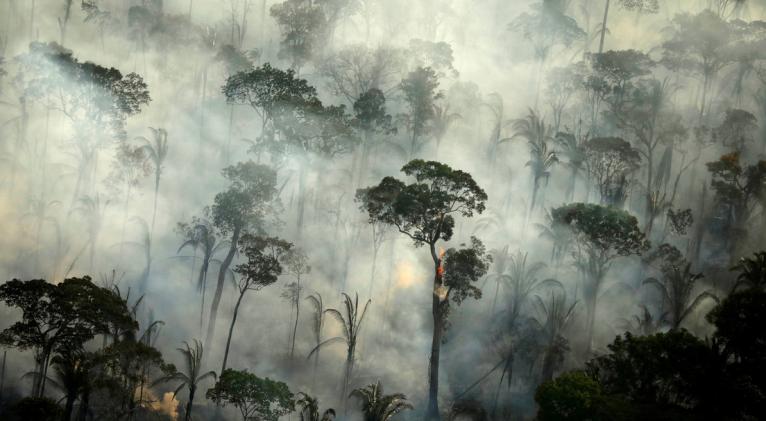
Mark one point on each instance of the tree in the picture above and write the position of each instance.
(256, 398)
(737, 191)
(442, 119)
(601, 234)
(200, 233)
(541, 159)
(419, 88)
(244, 206)
(96, 100)
(317, 323)
(297, 263)
(610, 161)
(572, 148)
(59, 318)
(737, 130)
(557, 314)
(676, 288)
(571, 396)
(193, 376)
(354, 70)
(698, 46)
(752, 271)
(156, 151)
(377, 406)
(303, 26)
(371, 119)
(269, 91)
(351, 324)
(425, 212)
(262, 268)
(309, 409)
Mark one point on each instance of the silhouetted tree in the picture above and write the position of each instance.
(377, 406)
(424, 211)
(254, 397)
(193, 375)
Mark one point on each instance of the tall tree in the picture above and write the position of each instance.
(309, 409)
(420, 92)
(351, 324)
(156, 150)
(425, 211)
(262, 268)
(602, 234)
(537, 134)
(241, 208)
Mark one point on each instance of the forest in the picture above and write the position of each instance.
(382, 210)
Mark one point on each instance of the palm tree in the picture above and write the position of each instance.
(376, 406)
(499, 272)
(309, 409)
(522, 281)
(317, 323)
(200, 235)
(499, 123)
(351, 324)
(193, 376)
(676, 288)
(541, 159)
(559, 234)
(573, 149)
(440, 123)
(556, 314)
(752, 271)
(157, 151)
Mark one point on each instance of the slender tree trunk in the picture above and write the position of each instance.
(295, 326)
(432, 411)
(2, 375)
(82, 412)
(192, 389)
(301, 197)
(603, 28)
(69, 406)
(156, 192)
(203, 281)
(231, 329)
(219, 286)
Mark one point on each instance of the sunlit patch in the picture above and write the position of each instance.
(405, 274)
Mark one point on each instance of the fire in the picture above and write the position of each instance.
(440, 269)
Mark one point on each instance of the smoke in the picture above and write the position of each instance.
(206, 134)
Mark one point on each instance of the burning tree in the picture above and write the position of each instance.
(424, 211)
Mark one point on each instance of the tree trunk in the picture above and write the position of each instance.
(603, 28)
(192, 389)
(156, 192)
(82, 412)
(203, 281)
(231, 329)
(219, 286)
(432, 411)
(301, 197)
(295, 326)
(69, 406)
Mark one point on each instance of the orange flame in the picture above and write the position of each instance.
(440, 269)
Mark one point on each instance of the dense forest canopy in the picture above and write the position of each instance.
(382, 210)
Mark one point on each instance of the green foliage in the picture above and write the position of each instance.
(377, 406)
(303, 26)
(605, 231)
(370, 112)
(571, 396)
(752, 271)
(88, 93)
(610, 161)
(246, 202)
(268, 90)
(308, 409)
(420, 91)
(423, 210)
(264, 256)
(256, 398)
(463, 267)
(63, 316)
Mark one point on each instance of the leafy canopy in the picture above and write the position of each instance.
(424, 210)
